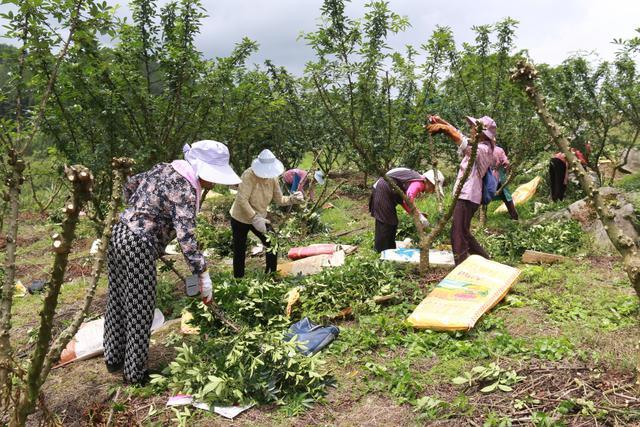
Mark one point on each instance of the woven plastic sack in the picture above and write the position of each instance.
(319, 249)
(311, 265)
(461, 298)
(411, 255)
(307, 251)
(522, 194)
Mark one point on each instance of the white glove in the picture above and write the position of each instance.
(297, 198)
(424, 221)
(260, 223)
(206, 290)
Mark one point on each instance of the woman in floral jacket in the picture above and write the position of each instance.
(162, 204)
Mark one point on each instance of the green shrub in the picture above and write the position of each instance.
(561, 237)
(255, 365)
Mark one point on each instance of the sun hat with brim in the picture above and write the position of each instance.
(319, 177)
(430, 176)
(266, 165)
(210, 159)
(488, 124)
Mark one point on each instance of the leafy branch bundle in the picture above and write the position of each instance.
(222, 367)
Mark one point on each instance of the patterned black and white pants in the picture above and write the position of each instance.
(131, 302)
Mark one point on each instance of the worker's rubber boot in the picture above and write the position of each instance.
(512, 210)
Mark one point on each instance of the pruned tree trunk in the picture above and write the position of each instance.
(82, 181)
(14, 184)
(121, 170)
(483, 215)
(427, 241)
(434, 166)
(525, 75)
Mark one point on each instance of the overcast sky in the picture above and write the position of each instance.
(550, 29)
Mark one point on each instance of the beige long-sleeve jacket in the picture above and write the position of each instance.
(254, 196)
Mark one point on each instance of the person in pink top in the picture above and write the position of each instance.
(289, 177)
(384, 199)
(462, 241)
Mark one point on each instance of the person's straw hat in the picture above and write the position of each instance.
(430, 176)
(266, 165)
(489, 126)
(319, 177)
(210, 159)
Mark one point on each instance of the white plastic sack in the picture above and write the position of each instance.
(88, 341)
(95, 246)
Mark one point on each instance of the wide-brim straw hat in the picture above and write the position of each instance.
(489, 126)
(431, 177)
(266, 165)
(211, 162)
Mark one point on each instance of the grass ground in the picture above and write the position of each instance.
(564, 341)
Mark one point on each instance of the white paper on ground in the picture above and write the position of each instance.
(231, 411)
(94, 247)
(172, 249)
(257, 249)
(412, 255)
(180, 400)
(226, 411)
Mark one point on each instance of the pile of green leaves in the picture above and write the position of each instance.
(255, 365)
(562, 238)
(219, 366)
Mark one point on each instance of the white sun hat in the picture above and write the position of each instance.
(210, 159)
(319, 177)
(430, 176)
(266, 165)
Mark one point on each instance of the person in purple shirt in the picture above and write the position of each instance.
(463, 243)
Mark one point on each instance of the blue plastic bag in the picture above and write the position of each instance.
(489, 187)
(295, 183)
(311, 337)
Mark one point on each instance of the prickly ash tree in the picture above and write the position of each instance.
(525, 75)
(426, 242)
(121, 170)
(27, 391)
(14, 182)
